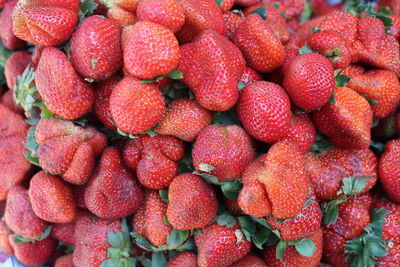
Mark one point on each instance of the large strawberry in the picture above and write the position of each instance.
(45, 23)
(388, 173)
(154, 159)
(95, 48)
(136, 107)
(112, 192)
(261, 47)
(68, 150)
(63, 91)
(212, 67)
(219, 245)
(15, 66)
(264, 110)
(7, 37)
(187, 259)
(192, 202)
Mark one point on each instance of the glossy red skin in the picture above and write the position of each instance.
(301, 131)
(15, 66)
(48, 23)
(64, 261)
(95, 48)
(34, 253)
(5, 245)
(250, 260)
(233, 206)
(391, 227)
(388, 173)
(212, 66)
(232, 21)
(184, 259)
(342, 22)
(227, 148)
(7, 37)
(264, 110)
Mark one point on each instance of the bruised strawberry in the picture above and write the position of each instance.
(264, 110)
(348, 121)
(5, 245)
(192, 202)
(95, 48)
(301, 131)
(44, 23)
(151, 50)
(184, 119)
(259, 44)
(63, 91)
(136, 107)
(223, 151)
(19, 215)
(64, 261)
(212, 66)
(15, 66)
(154, 159)
(7, 37)
(167, 13)
(184, 259)
(232, 21)
(250, 75)
(33, 253)
(112, 192)
(250, 260)
(149, 220)
(219, 245)
(388, 173)
(68, 150)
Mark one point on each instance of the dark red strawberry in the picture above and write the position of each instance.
(15, 66)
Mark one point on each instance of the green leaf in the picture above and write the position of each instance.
(241, 85)
(378, 146)
(158, 259)
(142, 259)
(384, 10)
(247, 224)
(164, 195)
(176, 238)
(142, 242)
(280, 249)
(4, 54)
(261, 237)
(175, 74)
(331, 211)
(315, 29)
(208, 177)
(81, 122)
(46, 113)
(148, 81)
(19, 239)
(354, 185)
(305, 247)
(226, 219)
(342, 80)
(86, 9)
(307, 12)
(305, 49)
(228, 117)
(231, 189)
(371, 101)
(261, 221)
(110, 263)
(332, 99)
(261, 11)
(219, 3)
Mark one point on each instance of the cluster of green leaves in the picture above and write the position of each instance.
(175, 75)
(228, 117)
(32, 146)
(86, 9)
(19, 239)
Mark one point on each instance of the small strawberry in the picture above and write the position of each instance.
(388, 173)
(5, 245)
(232, 21)
(184, 259)
(232, 206)
(7, 100)
(264, 110)
(7, 37)
(250, 75)
(15, 66)
(64, 261)
(250, 260)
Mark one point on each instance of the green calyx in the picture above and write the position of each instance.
(341, 79)
(304, 247)
(175, 75)
(19, 239)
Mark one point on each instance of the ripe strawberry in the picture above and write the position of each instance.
(250, 260)
(121, 16)
(136, 107)
(200, 15)
(95, 48)
(390, 228)
(393, 5)
(7, 100)
(301, 132)
(225, 5)
(392, 258)
(232, 21)
(64, 261)
(264, 110)
(7, 37)
(227, 149)
(5, 245)
(184, 119)
(43, 23)
(65, 232)
(212, 67)
(334, 248)
(63, 91)
(288, 8)
(145, 60)
(388, 173)
(293, 258)
(395, 28)
(15, 66)
(184, 259)
(348, 121)
(341, 21)
(332, 45)
(112, 192)
(149, 220)
(19, 215)
(219, 245)
(167, 13)
(232, 206)
(246, 2)
(259, 44)
(192, 202)
(154, 159)
(250, 75)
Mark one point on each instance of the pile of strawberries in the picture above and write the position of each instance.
(206, 133)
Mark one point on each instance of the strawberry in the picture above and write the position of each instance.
(19, 206)
(167, 13)
(340, 21)
(292, 257)
(44, 23)
(332, 45)
(2, 3)
(184, 259)
(64, 261)
(121, 16)
(95, 48)
(142, 58)
(5, 245)
(393, 5)
(388, 173)
(392, 258)
(15, 66)
(212, 66)
(288, 8)
(149, 220)
(232, 206)
(219, 245)
(334, 248)
(264, 110)
(200, 15)
(250, 260)
(68, 150)
(259, 44)
(395, 28)
(184, 119)
(136, 107)
(7, 37)
(391, 231)
(348, 121)
(192, 202)
(301, 33)
(225, 5)
(154, 159)
(65, 232)
(33, 253)
(232, 21)
(112, 192)
(301, 131)
(63, 91)
(246, 3)
(250, 75)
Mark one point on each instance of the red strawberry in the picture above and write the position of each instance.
(225, 5)
(212, 67)
(264, 110)
(192, 202)
(288, 8)
(334, 248)
(388, 173)
(151, 50)
(301, 33)
(95, 48)
(68, 150)
(63, 91)
(184, 259)
(260, 46)
(136, 107)
(112, 192)
(184, 119)
(7, 100)
(5, 245)
(250, 75)
(250, 260)
(219, 245)
(247, 2)
(343, 22)
(391, 230)
(167, 13)
(232, 21)
(65, 232)
(15, 66)
(232, 206)
(393, 5)
(392, 258)
(7, 37)
(44, 23)
(149, 220)
(121, 16)
(395, 28)
(64, 261)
